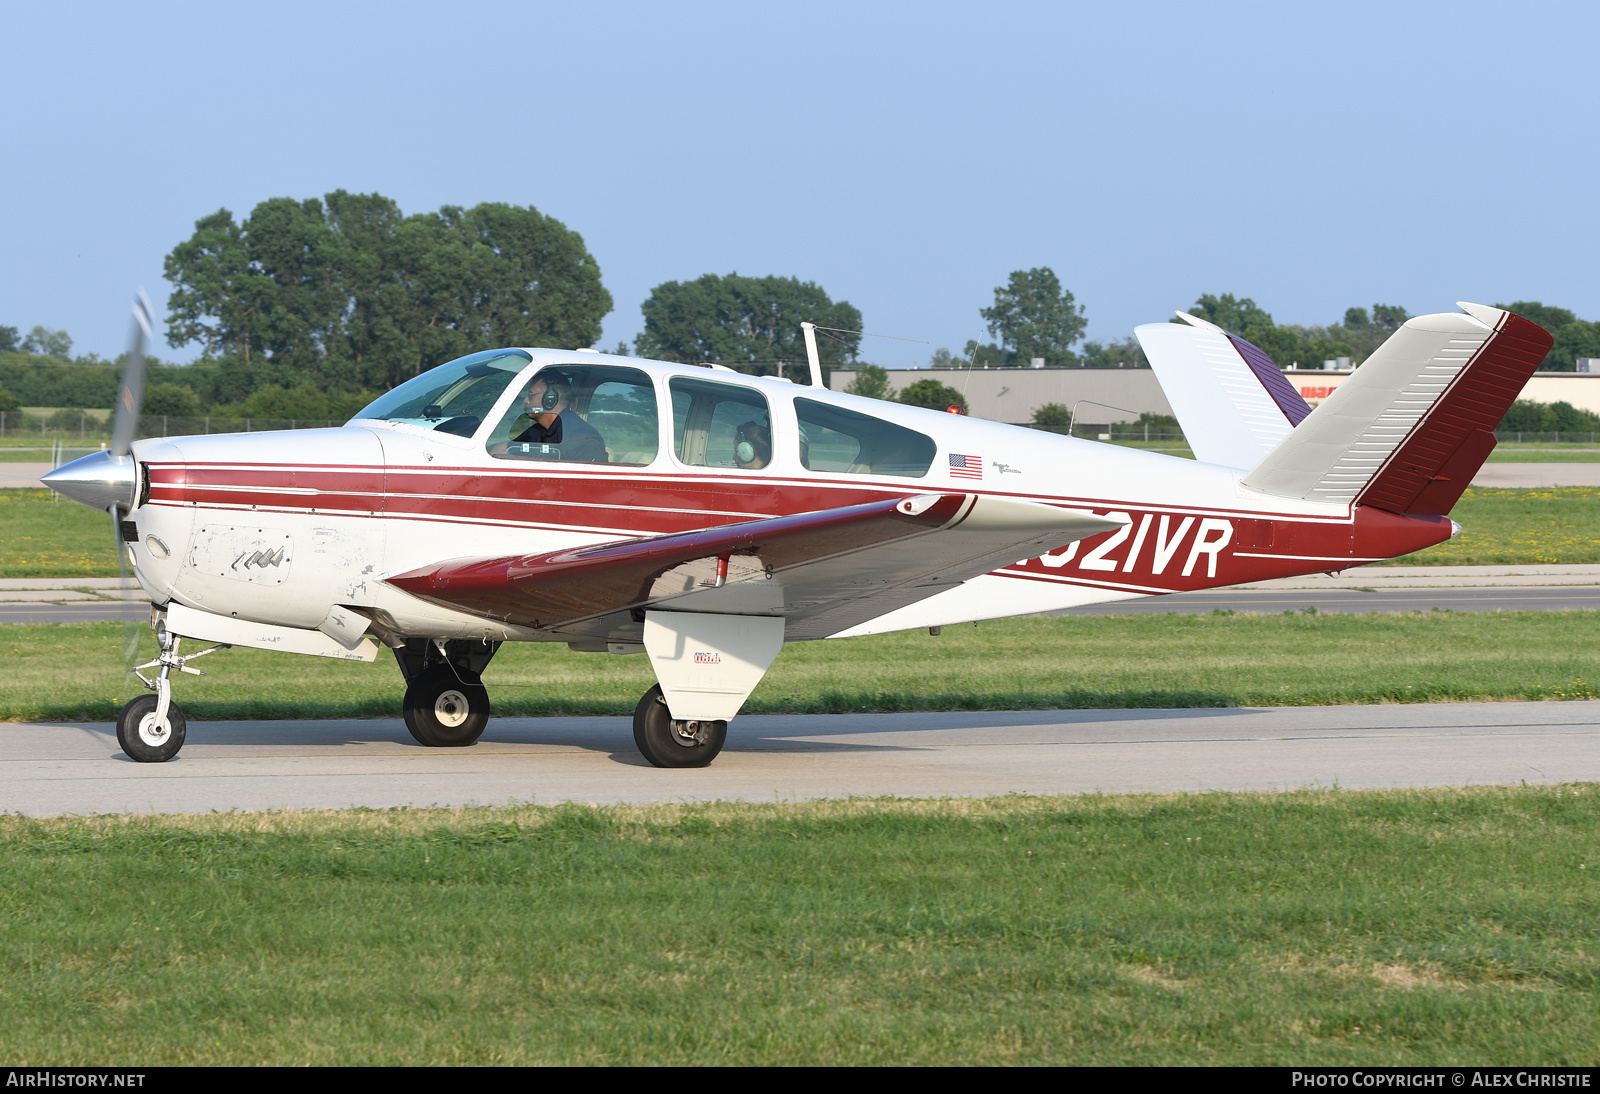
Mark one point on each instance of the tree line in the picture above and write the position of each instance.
(309, 308)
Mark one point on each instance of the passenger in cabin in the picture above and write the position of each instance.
(752, 447)
(547, 410)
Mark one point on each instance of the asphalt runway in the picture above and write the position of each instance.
(55, 769)
(94, 611)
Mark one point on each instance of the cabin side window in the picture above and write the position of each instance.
(581, 414)
(720, 425)
(835, 439)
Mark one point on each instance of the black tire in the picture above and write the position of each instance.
(446, 707)
(668, 744)
(139, 737)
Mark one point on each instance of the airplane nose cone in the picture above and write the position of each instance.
(99, 480)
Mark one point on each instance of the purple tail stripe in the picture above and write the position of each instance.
(1282, 391)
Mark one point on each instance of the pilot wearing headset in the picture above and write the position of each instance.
(752, 447)
(547, 408)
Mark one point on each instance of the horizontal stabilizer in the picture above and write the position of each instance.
(823, 571)
(1408, 431)
(1230, 398)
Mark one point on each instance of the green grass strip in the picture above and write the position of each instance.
(74, 671)
(1373, 928)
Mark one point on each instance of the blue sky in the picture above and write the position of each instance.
(904, 156)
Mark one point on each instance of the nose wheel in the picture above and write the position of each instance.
(674, 742)
(148, 735)
(446, 707)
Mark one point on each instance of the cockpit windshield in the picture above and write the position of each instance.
(454, 397)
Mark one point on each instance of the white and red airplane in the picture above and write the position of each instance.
(704, 518)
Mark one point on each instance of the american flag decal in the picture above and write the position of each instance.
(966, 467)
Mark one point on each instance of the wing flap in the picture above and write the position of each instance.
(824, 570)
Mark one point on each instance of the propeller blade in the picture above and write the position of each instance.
(130, 398)
(130, 395)
(131, 631)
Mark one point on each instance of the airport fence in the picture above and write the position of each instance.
(1563, 437)
(86, 426)
(1131, 431)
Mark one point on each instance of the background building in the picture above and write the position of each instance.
(1104, 396)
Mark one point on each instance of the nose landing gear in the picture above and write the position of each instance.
(151, 728)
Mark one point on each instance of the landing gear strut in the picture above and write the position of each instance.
(446, 704)
(151, 728)
(674, 742)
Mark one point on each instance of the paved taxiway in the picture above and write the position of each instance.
(55, 769)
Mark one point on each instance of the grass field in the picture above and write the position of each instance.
(1402, 927)
(1518, 527)
(39, 537)
(74, 671)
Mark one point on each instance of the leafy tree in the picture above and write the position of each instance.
(988, 355)
(9, 342)
(747, 323)
(1124, 354)
(1527, 416)
(1052, 417)
(302, 402)
(871, 381)
(9, 403)
(40, 382)
(1165, 423)
(1574, 337)
(1550, 318)
(346, 293)
(48, 343)
(171, 399)
(1292, 346)
(1237, 315)
(933, 395)
(1388, 317)
(1035, 317)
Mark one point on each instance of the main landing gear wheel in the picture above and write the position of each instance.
(145, 740)
(666, 742)
(446, 707)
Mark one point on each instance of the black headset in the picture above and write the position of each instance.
(551, 396)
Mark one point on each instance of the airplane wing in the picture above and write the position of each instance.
(1233, 403)
(824, 571)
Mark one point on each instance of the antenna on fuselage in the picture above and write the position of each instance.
(809, 330)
